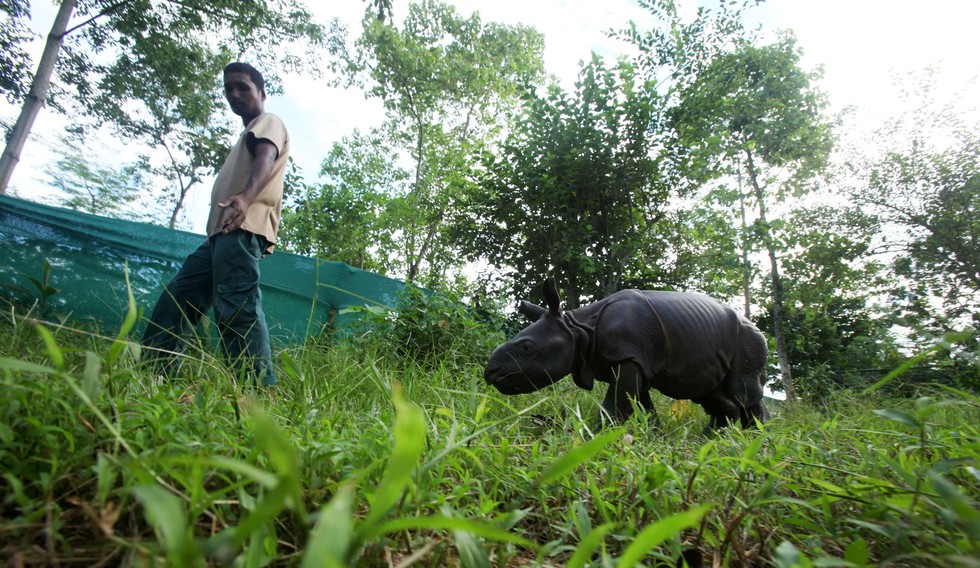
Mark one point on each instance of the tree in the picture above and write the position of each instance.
(180, 113)
(100, 189)
(446, 81)
(924, 189)
(574, 190)
(754, 109)
(344, 218)
(14, 62)
(708, 249)
(836, 337)
(124, 46)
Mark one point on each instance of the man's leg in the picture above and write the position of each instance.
(238, 303)
(180, 307)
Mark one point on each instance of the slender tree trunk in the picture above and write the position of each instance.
(183, 190)
(782, 350)
(415, 264)
(180, 204)
(35, 98)
(746, 265)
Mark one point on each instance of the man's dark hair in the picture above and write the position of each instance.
(253, 73)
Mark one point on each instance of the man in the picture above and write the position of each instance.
(223, 273)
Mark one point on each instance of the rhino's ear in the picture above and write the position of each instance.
(532, 312)
(551, 296)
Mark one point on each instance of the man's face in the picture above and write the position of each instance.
(244, 97)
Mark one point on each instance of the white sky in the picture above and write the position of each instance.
(860, 43)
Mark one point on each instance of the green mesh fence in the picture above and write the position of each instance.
(89, 256)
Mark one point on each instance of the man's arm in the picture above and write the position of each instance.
(265, 156)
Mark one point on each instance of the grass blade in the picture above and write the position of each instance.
(409, 430)
(442, 522)
(588, 545)
(574, 458)
(658, 532)
(331, 539)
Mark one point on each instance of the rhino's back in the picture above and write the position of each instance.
(686, 342)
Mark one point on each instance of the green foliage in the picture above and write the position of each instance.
(15, 66)
(835, 337)
(707, 247)
(923, 186)
(434, 330)
(755, 100)
(574, 192)
(342, 467)
(347, 217)
(98, 188)
(446, 81)
(26, 300)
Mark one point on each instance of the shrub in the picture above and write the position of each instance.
(433, 330)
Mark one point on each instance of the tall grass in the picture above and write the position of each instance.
(359, 458)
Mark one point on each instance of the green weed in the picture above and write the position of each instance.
(358, 458)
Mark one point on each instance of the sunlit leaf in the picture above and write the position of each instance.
(409, 431)
(91, 375)
(567, 463)
(166, 515)
(858, 552)
(899, 416)
(52, 349)
(653, 535)
(331, 539)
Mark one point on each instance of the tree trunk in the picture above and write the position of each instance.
(35, 98)
(746, 265)
(782, 350)
(180, 205)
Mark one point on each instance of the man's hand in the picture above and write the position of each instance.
(237, 206)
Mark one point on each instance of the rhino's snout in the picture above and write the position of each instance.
(500, 372)
(494, 371)
(490, 373)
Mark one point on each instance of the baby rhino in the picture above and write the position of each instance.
(687, 346)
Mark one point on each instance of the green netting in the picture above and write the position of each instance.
(89, 256)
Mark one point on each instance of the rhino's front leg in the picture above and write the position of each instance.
(626, 390)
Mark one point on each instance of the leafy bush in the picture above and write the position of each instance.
(434, 330)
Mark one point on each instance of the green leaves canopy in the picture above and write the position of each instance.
(151, 69)
(575, 188)
(757, 100)
(446, 81)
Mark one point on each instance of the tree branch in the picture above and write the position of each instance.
(105, 12)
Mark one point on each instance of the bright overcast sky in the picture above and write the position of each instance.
(860, 43)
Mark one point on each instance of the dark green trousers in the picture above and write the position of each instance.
(223, 274)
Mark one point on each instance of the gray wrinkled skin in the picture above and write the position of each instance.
(687, 346)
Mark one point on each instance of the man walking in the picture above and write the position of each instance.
(223, 273)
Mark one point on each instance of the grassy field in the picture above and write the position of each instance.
(363, 458)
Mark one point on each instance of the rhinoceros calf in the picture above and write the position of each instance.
(687, 346)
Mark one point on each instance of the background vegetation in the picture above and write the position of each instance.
(703, 160)
(360, 457)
